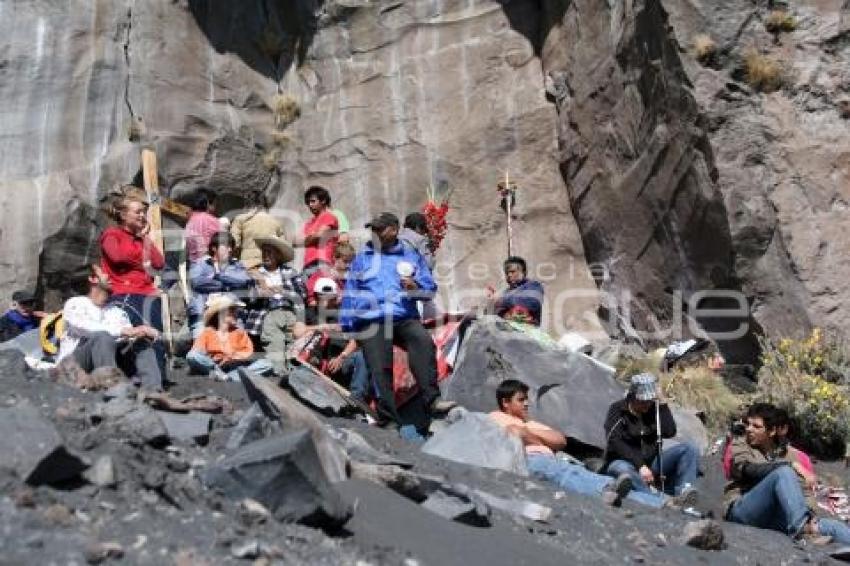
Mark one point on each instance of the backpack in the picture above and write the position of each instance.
(50, 332)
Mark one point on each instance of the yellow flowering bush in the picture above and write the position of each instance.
(806, 377)
(817, 354)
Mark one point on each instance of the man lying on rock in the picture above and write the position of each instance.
(99, 336)
(541, 444)
(632, 448)
(771, 488)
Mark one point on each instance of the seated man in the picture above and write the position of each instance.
(216, 272)
(769, 488)
(20, 317)
(103, 336)
(222, 347)
(541, 442)
(630, 427)
(326, 347)
(280, 300)
(523, 300)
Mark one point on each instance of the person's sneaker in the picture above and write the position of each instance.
(813, 539)
(440, 407)
(623, 485)
(687, 498)
(611, 497)
(219, 375)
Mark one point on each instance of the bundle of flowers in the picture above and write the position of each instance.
(435, 211)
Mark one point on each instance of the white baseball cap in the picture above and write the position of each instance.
(325, 286)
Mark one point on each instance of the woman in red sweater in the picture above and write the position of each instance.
(127, 257)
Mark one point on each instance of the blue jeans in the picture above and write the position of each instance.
(359, 376)
(578, 479)
(777, 503)
(196, 324)
(680, 469)
(203, 364)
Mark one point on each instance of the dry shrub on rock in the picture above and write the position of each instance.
(271, 158)
(281, 139)
(762, 72)
(780, 21)
(286, 110)
(703, 390)
(693, 386)
(705, 49)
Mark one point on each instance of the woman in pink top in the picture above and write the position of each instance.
(201, 226)
(319, 234)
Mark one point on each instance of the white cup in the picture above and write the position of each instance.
(405, 269)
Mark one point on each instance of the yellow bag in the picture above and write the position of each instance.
(50, 331)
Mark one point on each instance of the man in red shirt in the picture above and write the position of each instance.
(319, 234)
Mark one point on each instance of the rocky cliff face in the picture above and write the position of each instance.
(659, 176)
(782, 157)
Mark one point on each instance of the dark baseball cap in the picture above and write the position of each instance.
(23, 297)
(383, 220)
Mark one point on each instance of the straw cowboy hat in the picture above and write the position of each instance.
(218, 303)
(281, 245)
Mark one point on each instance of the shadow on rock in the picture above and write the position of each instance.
(267, 35)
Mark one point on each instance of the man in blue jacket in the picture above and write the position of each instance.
(217, 272)
(379, 305)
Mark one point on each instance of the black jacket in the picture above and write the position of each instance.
(632, 437)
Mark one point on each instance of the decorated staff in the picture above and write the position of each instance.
(507, 190)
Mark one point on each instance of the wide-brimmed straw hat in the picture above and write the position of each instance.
(281, 245)
(219, 303)
(643, 387)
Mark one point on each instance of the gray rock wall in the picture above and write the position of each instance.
(394, 97)
(666, 177)
(782, 157)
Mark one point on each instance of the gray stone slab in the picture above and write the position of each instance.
(477, 440)
(194, 425)
(32, 447)
(285, 474)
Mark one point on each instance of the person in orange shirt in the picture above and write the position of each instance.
(222, 347)
(542, 442)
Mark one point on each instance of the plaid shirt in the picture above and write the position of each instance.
(292, 298)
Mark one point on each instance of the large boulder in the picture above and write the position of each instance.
(568, 390)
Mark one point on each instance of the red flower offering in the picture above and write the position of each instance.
(435, 213)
